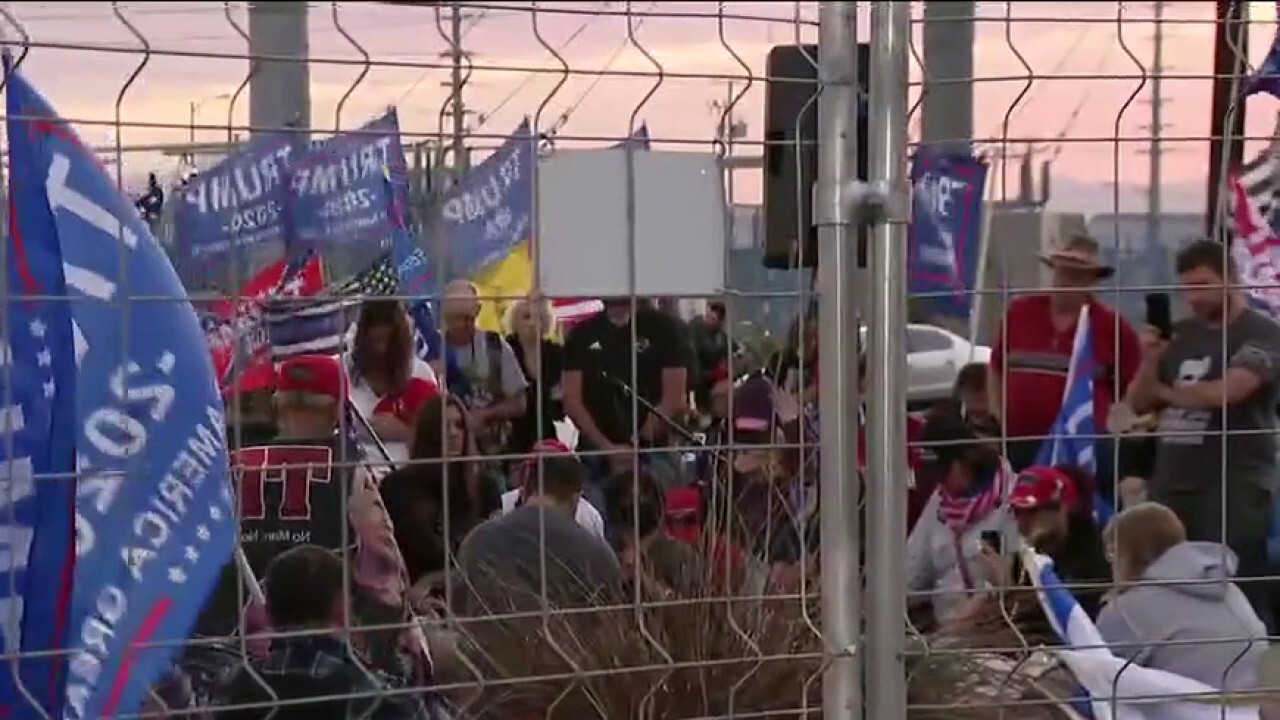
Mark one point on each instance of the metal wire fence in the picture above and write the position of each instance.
(815, 630)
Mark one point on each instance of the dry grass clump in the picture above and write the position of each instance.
(702, 650)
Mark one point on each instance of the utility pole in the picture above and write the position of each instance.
(1155, 204)
(458, 107)
(729, 129)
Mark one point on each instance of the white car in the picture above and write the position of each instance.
(934, 358)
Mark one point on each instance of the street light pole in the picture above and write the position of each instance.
(194, 107)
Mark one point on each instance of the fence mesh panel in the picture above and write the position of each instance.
(1086, 129)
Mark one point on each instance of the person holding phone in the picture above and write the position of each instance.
(1215, 383)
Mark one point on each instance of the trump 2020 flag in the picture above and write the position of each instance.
(153, 501)
(1115, 688)
(945, 235)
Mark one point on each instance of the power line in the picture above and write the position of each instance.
(529, 78)
(613, 59)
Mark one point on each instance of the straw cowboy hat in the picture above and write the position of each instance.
(1078, 252)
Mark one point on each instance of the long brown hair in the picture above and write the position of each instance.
(1139, 536)
(398, 363)
(430, 432)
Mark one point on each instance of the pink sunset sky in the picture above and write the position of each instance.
(1086, 61)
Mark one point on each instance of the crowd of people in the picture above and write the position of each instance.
(467, 503)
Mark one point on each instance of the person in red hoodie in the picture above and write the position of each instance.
(685, 519)
(919, 489)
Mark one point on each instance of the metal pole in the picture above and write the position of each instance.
(456, 82)
(1154, 199)
(191, 126)
(947, 37)
(887, 365)
(1226, 142)
(838, 357)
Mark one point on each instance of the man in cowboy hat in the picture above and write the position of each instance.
(1032, 354)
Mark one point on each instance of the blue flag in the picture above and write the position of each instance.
(154, 520)
(37, 452)
(1266, 79)
(490, 210)
(237, 203)
(277, 190)
(945, 236)
(339, 184)
(416, 280)
(1071, 438)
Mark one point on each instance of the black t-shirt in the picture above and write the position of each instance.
(533, 427)
(604, 352)
(290, 493)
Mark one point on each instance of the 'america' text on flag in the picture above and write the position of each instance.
(135, 400)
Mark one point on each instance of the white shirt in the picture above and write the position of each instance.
(365, 400)
(586, 514)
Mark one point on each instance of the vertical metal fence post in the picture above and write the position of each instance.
(886, 483)
(838, 357)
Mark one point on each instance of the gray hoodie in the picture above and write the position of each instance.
(1217, 637)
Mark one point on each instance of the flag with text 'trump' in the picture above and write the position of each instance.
(144, 428)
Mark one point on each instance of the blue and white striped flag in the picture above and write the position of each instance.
(1113, 687)
(1072, 436)
(304, 326)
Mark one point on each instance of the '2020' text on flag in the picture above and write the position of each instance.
(1114, 688)
(140, 420)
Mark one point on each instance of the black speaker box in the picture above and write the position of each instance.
(791, 152)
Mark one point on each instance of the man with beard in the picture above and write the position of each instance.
(1054, 516)
(1216, 383)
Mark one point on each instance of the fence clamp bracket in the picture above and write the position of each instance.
(866, 203)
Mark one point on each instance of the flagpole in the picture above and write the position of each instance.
(979, 278)
(1226, 142)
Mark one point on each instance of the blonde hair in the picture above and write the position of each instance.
(1139, 536)
(541, 307)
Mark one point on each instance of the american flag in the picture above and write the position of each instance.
(379, 279)
(318, 324)
(1260, 178)
(571, 311)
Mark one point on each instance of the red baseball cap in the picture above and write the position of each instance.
(314, 374)
(1043, 487)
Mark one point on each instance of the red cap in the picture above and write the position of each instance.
(1043, 487)
(524, 473)
(314, 374)
(682, 513)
